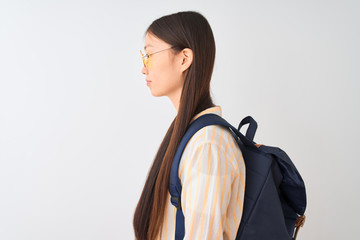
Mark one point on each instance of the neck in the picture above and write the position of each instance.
(175, 99)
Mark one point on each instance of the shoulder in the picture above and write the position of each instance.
(214, 135)
(211, 146)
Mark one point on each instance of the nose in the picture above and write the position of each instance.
(144, 70)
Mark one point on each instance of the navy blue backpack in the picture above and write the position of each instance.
(275, 197)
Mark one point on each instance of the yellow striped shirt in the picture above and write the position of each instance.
(212, 174)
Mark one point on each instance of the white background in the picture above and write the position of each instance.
(79, 128)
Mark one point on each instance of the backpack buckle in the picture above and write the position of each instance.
(176, 202)
(300, 221)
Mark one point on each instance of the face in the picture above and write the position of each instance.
(164, 71)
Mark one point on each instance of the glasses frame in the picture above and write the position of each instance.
(143, 56)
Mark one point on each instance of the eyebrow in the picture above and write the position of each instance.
(147, 46)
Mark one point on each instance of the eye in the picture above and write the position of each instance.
(146, 57)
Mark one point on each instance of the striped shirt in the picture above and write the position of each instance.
(212, 174)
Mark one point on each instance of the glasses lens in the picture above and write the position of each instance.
(144, 58)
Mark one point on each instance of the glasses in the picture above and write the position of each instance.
(145, 57)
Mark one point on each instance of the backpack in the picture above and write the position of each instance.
(275, 197)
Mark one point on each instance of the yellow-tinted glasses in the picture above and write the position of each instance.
(145, 57)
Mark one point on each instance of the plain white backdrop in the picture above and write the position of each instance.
(79, 128)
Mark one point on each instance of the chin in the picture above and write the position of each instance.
(157, 94)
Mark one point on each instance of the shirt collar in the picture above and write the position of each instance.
(215, 110)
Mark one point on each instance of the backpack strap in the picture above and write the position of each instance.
(250, 133)
(175, 184)
(299, 223)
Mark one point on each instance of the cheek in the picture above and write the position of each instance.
(162, 71)
(157, 69)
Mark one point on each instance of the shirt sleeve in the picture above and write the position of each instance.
(207, 182)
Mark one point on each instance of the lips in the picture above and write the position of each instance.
(147, 80)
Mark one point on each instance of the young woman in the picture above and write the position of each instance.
(178, 63)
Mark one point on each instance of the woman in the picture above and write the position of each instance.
(179, 60)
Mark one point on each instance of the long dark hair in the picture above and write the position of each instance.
(180, 30)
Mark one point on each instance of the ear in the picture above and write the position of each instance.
(186, 56)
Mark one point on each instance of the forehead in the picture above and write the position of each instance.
(151, 41)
